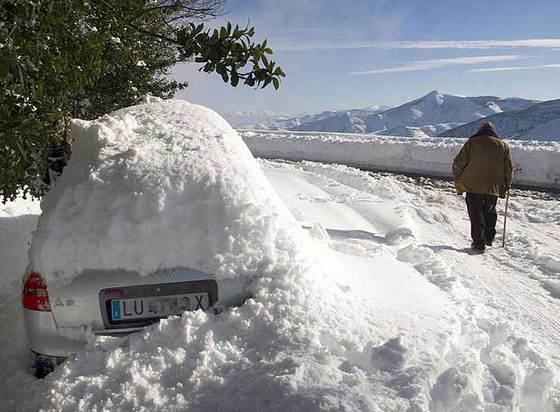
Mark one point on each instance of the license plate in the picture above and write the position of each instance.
(156, 306)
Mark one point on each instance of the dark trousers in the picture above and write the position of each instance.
(483, 216)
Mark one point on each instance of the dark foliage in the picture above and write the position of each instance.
(61, 59)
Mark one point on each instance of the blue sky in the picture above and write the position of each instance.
(352, 54)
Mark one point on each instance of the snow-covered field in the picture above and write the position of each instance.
(537, 163)
(406, 318)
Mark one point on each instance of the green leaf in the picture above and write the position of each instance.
(266, 83)
(234, 79)
(4, 70)
(275, 83)
(264, 60)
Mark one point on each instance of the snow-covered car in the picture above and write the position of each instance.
(154, 215)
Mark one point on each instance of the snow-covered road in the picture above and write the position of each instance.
(537, 163)
(452, 331)
(505, 300)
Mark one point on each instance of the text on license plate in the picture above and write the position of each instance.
(157, 306)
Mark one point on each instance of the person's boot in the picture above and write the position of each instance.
(489, 242)
(477, 248)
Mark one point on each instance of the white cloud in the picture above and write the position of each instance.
(437, 63)
(475, 44)
(512, 68)
(425, 44)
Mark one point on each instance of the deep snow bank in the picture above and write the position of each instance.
(537, 163)
(159, 185)
(17, 220)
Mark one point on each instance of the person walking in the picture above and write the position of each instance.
(483, 170)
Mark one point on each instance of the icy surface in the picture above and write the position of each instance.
(536, 163)
(160, 185)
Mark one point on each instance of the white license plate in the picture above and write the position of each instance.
(157, 306)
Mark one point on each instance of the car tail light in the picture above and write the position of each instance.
(35, 294)
(113, 293)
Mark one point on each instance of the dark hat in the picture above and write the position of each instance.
(487, 127)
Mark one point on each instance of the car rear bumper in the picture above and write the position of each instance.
(42, 365)
(44, 337)
(66, 330)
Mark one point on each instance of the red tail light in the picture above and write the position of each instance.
(35, 294)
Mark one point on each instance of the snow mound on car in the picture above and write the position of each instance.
(157, 185)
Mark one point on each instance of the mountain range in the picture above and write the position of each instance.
(540, 121)
(427, 116)
(435, 114)
(263, 119)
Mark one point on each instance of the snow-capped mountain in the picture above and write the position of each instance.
(343, 122)
(546, 131)
(267, 120)
(540, 121)
(429, 115)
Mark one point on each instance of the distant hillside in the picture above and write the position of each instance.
(342, 120)
(540, 121)
(429, 115)
(242, 118)
(269, 120)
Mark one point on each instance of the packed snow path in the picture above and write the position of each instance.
(454, 331)
(506, 299)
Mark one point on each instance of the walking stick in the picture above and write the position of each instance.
(505, 220)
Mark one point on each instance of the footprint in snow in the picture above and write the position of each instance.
(392, 355)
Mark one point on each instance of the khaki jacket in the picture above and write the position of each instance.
(483, 166)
